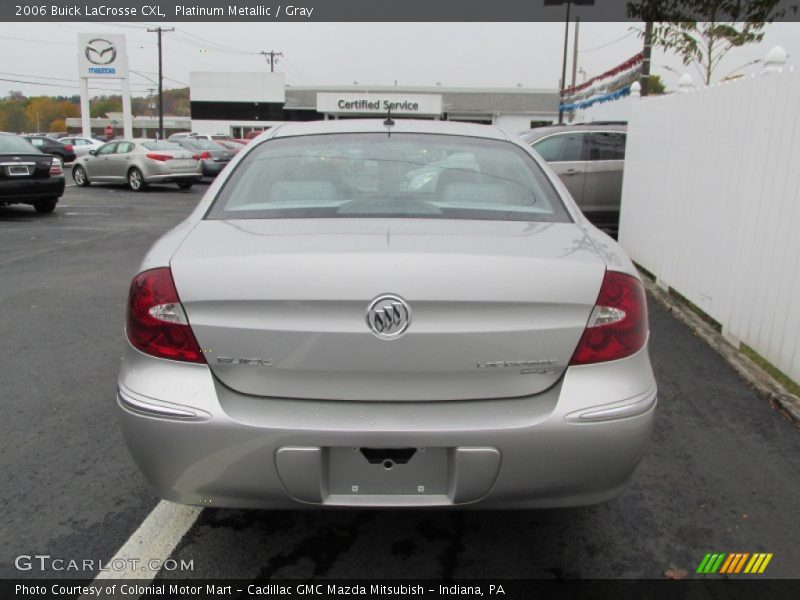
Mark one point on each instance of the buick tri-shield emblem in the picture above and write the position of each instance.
(388, 316)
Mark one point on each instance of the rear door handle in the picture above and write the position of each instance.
(571, 172)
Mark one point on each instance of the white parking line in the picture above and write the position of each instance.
(153, 542)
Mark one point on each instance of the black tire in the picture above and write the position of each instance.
(80, 177)
(185, 185)
(45, 206)
(136, 180)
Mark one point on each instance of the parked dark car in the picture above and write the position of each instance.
(589, 159)
(231, 145)
(212, 156)
(28, 176)
(50, 146)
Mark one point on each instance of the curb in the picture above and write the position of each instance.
(756, 377)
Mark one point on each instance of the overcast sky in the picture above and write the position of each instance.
(453, 54)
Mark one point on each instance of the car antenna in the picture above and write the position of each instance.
(389, 122)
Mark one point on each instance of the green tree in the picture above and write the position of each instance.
(13, 118)
(12, 113)
(703, 32)
(656, 85)
(101, 105)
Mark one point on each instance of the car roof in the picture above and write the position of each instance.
(400, 126)
(540, 132)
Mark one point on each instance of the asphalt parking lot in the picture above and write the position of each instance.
(722, 473)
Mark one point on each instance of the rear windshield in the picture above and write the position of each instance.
(161, 145)
(377, 175)
(12, 143)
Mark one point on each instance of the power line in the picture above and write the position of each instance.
(296, 72)
(143, 73)
(217, 44)
(612, 42)
(16, 39)
(36, 76)
(60, 85)
(47, 78)
(210, 46)
(193, 58)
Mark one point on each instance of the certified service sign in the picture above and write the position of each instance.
(373, 103)
(102, 55)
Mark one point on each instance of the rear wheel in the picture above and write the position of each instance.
(136, 180)
(45, 206)
(185, 185)
(79, 176)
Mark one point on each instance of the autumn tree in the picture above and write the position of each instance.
(102, 105)
(12, 116)
(12, 112)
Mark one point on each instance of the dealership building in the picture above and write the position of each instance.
(236, 103)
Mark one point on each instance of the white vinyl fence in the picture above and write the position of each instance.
(711, 205)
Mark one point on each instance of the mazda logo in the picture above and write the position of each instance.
(100, 52)
(388, 316)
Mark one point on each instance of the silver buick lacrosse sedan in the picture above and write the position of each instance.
(380, 313)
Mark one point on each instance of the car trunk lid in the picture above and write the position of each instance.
(280, 306)
(25, 165)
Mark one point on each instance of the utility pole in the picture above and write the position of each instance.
(159, 30)
(563, 67)
(575, 60)
(648, 48)
(272, 57)
(575, 52)
(563, 83)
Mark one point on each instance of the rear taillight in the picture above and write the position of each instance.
(204, 155)
(156, 322)
(68, 147)
(56, 168)
(618, 324)
(159, 157)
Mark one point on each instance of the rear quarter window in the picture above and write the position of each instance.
(561, 147)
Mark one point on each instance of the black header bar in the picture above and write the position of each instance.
(157, 11)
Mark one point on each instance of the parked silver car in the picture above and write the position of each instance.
(81, 145)
(139, 163)
(589, 158)
(317, 333)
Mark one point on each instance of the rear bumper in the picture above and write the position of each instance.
(197, 442)
(173, 177)
(27, 190)
(212, 168)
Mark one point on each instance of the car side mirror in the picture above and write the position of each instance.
(93, 152)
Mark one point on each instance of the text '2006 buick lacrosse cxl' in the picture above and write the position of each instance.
(379, 313)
